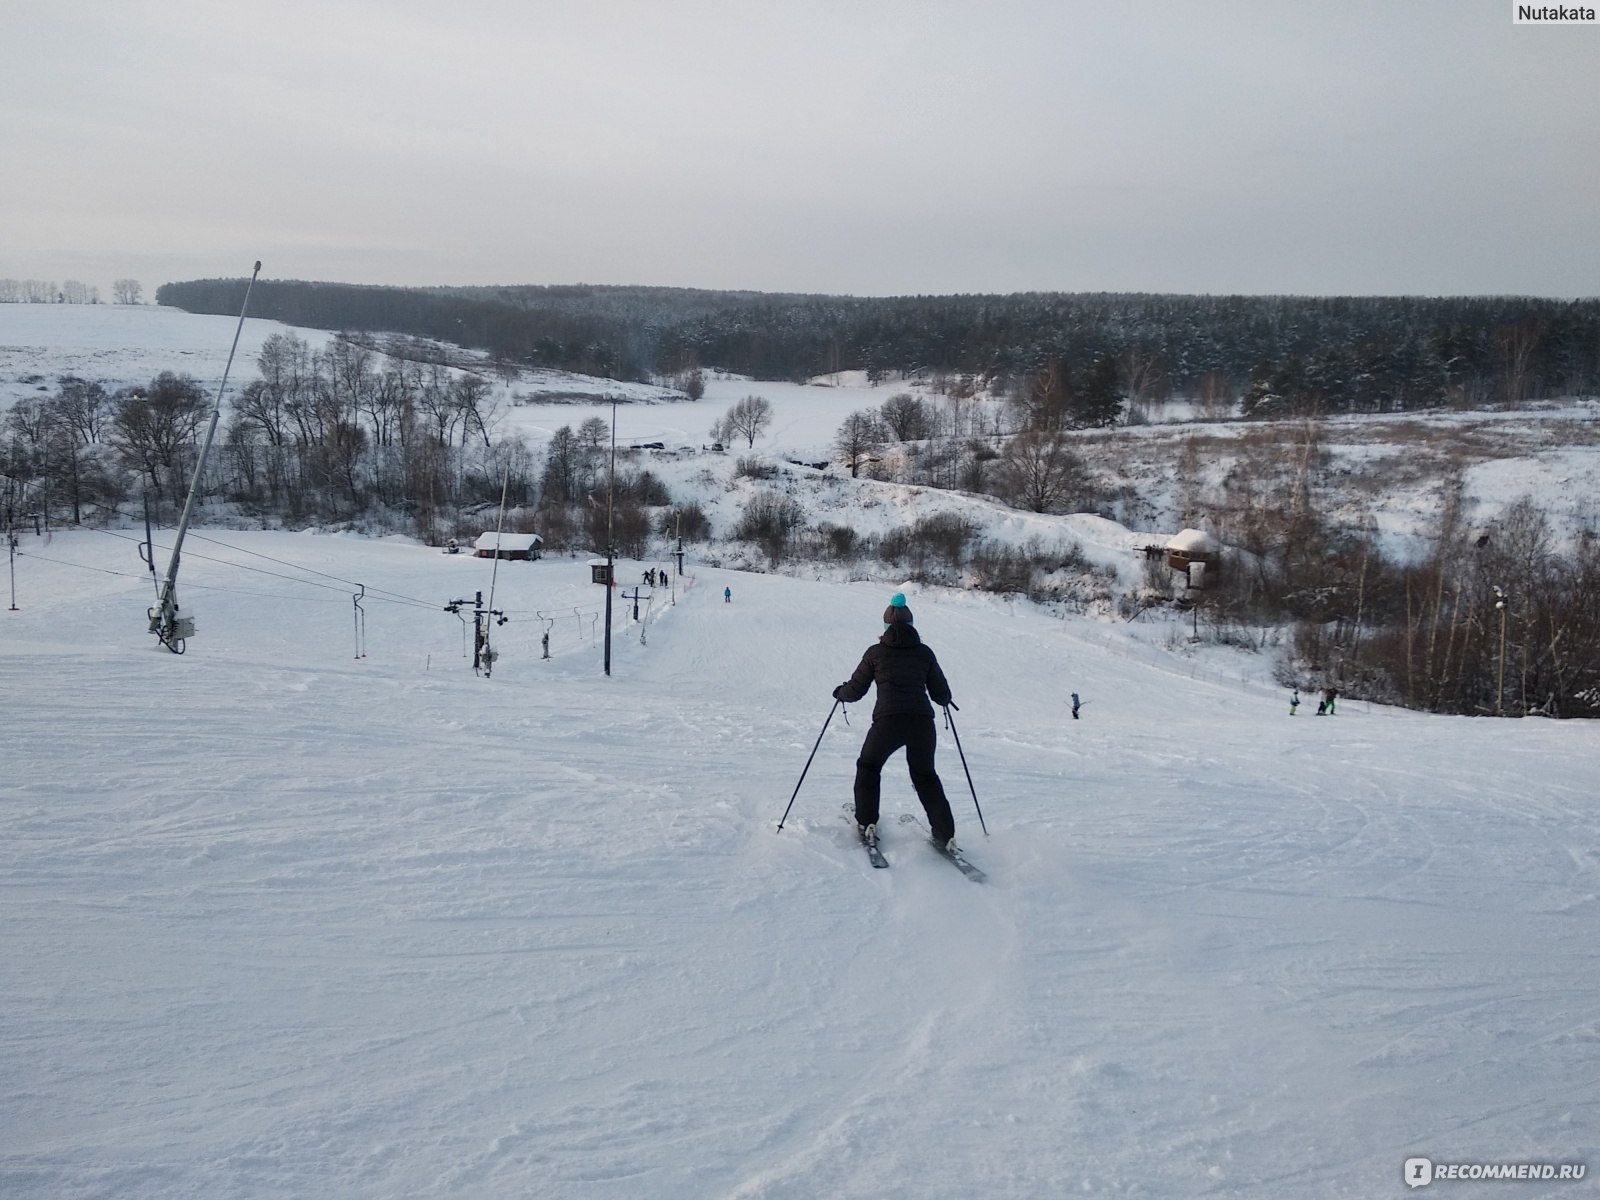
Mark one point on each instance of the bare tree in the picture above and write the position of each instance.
(1515, 344)
(126, 291)
(1040, 472)
(386, 399)
(594, 433)
(1215, 396)
(1144, 380)
(861, 434)
(435, 398)
(151, 428)
(478, 403)
(346, 447)
(350, 374)
(288, 383)
(1045, 399)
(749, 418)
(907, 418)
(84, 406)
(561, 466)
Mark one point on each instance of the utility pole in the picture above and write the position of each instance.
(1500, 697)
(611, 489)
(11, 546)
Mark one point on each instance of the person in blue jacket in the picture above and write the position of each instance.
(908, 676)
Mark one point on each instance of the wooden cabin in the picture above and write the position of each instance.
(523, 547)
(1193, 553)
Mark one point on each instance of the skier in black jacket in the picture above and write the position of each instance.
(907, 674)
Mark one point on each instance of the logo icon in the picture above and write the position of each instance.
(1418, 1172)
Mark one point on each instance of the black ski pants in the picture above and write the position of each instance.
(917, 735)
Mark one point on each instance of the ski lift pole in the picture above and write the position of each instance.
(807, 767)
(147, 551)
(164, 616)
(11, 548)
(360, 620)
(951, 721)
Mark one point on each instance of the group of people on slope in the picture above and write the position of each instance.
(1325, 706)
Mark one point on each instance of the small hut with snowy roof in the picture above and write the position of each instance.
(523, 546)
(1193, 552)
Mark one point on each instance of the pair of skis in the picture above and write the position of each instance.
(953, 854)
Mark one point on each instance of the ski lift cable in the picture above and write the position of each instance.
(61, 562)
(372, 593)
(312, 570)
(343, 591)
(201, 587)
(256, 554)
(391, 597)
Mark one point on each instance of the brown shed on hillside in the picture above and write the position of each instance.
(1194, 553)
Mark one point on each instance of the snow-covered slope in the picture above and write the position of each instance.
(284, 922)
(129, 345)
(124, 346)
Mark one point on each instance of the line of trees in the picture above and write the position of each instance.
(1018, 451)
(72, 291)
(1499, 622)
(345, 434)
(47, 291)
(1274, 355)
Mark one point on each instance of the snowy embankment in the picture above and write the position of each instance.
(282, 922)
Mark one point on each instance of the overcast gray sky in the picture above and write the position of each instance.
(868, 146)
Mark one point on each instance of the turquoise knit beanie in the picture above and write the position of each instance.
(897, 610)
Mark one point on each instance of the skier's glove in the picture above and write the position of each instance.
(838, 692)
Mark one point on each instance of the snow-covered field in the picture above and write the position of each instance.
(284, 922)
(124, 346)
(129, 345)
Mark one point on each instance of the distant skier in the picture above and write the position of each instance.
(1332, 695)
(907, 674)
(1294, 701)
(1075, 706)
(727, 595)
(1322, 706)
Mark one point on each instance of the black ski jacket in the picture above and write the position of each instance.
(906, 672)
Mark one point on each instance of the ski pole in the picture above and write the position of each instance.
(807, 767)
(951, 721)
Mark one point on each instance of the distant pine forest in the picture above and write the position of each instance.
(1262, 356)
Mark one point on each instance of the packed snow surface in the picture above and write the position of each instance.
(285, 922)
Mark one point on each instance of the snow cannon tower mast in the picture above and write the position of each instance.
(170, 629)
